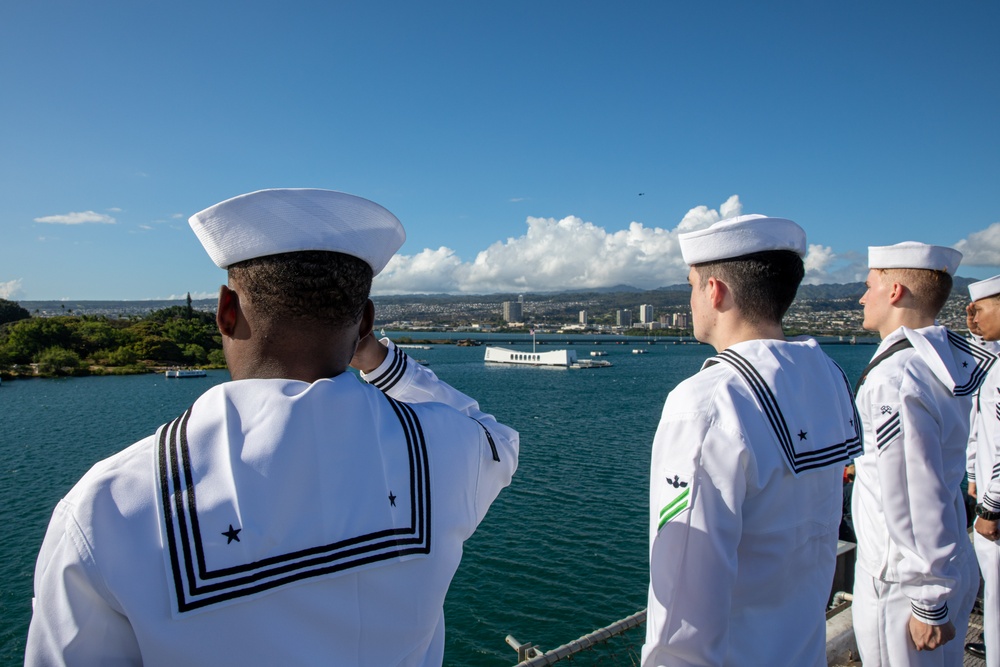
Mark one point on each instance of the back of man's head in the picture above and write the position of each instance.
(924, 270)
(763, 284)
(928, 288)
(313, 287)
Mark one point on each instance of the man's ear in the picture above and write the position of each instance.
(896, 292)
(717, 291)
(227, 312)
(367, 320)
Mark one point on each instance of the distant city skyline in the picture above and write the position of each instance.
(525, 146)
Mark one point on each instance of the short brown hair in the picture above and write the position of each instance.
(763, 283)
(328, 288)
(930, 288)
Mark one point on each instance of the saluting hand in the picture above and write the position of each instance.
(369, 354)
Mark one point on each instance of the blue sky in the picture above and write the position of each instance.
(513, 139)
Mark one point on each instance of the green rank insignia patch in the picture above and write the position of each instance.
(675, 496)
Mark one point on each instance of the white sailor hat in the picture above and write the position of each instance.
(913, 255)
(742, 235)
(270, 222)
(984, 288)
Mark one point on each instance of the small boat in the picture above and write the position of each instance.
(598, 353)
(637, 350)
(185, 373)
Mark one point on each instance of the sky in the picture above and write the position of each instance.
(525, 145)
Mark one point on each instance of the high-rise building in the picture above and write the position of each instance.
(681, 321)
(623, 318)
(583, 317)
(512, 311)
(645, 313)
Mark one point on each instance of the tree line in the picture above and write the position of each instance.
(84, 345)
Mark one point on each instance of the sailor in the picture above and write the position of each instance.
(915, 579)
(295, 515)
(985, 475)
(747, 465)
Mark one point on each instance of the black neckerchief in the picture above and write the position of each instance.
(891, 350)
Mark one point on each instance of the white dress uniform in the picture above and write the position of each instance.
(275, 523)
(987, 478)
(914, 556)
(745, 504)
(993, 347)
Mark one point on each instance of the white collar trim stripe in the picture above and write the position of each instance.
(798, 461)
(196, 587)
(983, 363)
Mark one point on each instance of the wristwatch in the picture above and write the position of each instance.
(985, 514)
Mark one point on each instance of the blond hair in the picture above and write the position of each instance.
(930, 288)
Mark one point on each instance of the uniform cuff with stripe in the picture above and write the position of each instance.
(390, 371)
(991, 503)
(931, 616)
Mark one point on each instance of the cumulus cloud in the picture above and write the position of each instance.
(75, 218)
(11, 289)
(982, 248)
(566, 254)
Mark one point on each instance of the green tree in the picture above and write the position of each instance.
(157, 348)
(26, 339)
(195, 354)
(93, 335)
(58, 361)
(217, 357)
(12, 312)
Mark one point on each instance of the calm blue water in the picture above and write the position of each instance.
(561, 553)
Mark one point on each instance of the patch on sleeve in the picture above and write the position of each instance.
(888, 424)
(674, 498)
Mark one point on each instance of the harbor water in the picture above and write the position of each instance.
(562, 551)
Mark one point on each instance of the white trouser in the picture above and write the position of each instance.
(881, 616)
(988, 554)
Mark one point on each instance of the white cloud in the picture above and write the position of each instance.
(817, 261)
(429, 271)
(115, 209)
(177, 216)
(80, 218)
(556, 255)
(11, 289)
(981, 248)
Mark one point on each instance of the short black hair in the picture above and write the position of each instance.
(763, 283)
(327, 288)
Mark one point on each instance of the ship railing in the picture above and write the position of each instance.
(529, 655)
(839, 636)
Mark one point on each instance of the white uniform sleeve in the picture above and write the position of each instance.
(697, 488)
(75, 620)
(405, 380)
(990, 494)
(970, 452)
(915, 497)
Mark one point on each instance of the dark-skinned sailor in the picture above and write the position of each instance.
(295, 515)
